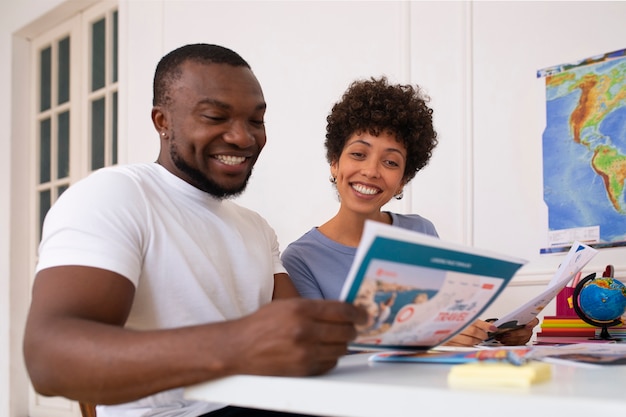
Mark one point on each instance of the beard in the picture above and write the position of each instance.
(202, 182)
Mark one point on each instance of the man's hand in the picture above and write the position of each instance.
(75, 344)
(292, 337)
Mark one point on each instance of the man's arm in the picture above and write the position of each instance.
(75, 344)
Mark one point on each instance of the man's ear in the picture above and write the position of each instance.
(159, 120)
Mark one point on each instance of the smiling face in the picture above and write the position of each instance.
(212, 128)
(369, 172)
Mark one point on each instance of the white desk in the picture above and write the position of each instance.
(357, 388)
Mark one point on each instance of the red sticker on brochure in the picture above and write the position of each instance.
(405, 314)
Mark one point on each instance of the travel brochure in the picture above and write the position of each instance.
(420, 291)
(575, 260)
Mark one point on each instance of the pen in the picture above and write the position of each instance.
(513, 356)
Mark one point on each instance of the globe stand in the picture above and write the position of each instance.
(604, 333)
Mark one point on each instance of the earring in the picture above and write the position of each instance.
(163, 134)
(332, 179)
(399, 195)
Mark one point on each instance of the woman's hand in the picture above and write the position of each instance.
(519, 336)
(473, 334)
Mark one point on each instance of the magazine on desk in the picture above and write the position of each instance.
(420, 291)
(511, 354)
(578, 354)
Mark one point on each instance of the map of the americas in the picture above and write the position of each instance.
(584, 145)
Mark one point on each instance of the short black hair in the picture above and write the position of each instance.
(168, 68)
(374, 106)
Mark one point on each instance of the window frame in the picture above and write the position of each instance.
(77, 26)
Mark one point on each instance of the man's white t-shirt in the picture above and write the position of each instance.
(192, 258)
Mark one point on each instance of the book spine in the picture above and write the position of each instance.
(568, 332)
(553, 325)
(562, 319)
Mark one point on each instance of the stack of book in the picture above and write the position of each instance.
(566, 322)
(559, 326)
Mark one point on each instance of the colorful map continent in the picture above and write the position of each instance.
(611, 167)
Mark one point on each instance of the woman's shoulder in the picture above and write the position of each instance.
(414, 222)
(314, 241)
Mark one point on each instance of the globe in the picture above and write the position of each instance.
(600, 302)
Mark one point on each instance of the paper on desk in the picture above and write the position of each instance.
(584, 354)
(579, 354)
(578, 256)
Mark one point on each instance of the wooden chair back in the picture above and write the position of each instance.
(87, 410)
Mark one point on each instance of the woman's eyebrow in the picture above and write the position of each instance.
(366, 143)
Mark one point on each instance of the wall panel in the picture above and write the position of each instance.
(511, 41)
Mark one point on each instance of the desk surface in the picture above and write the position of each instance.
(358, 388)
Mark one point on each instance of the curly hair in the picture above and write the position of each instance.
(168, 69)
(374, 106)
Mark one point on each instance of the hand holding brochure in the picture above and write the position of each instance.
(578, 256)
(420, 291)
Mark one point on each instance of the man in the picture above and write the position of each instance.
(150, 280)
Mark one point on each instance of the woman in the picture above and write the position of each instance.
(378, 136)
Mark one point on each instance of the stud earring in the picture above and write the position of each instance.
(332, 179)
(399, 195)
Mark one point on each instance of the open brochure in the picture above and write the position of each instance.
(420, 291)
(578, 256)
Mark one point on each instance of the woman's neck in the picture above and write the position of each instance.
(347, 227)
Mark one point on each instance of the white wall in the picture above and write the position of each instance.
(477, 61)
(511, 41)
(304, 54)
